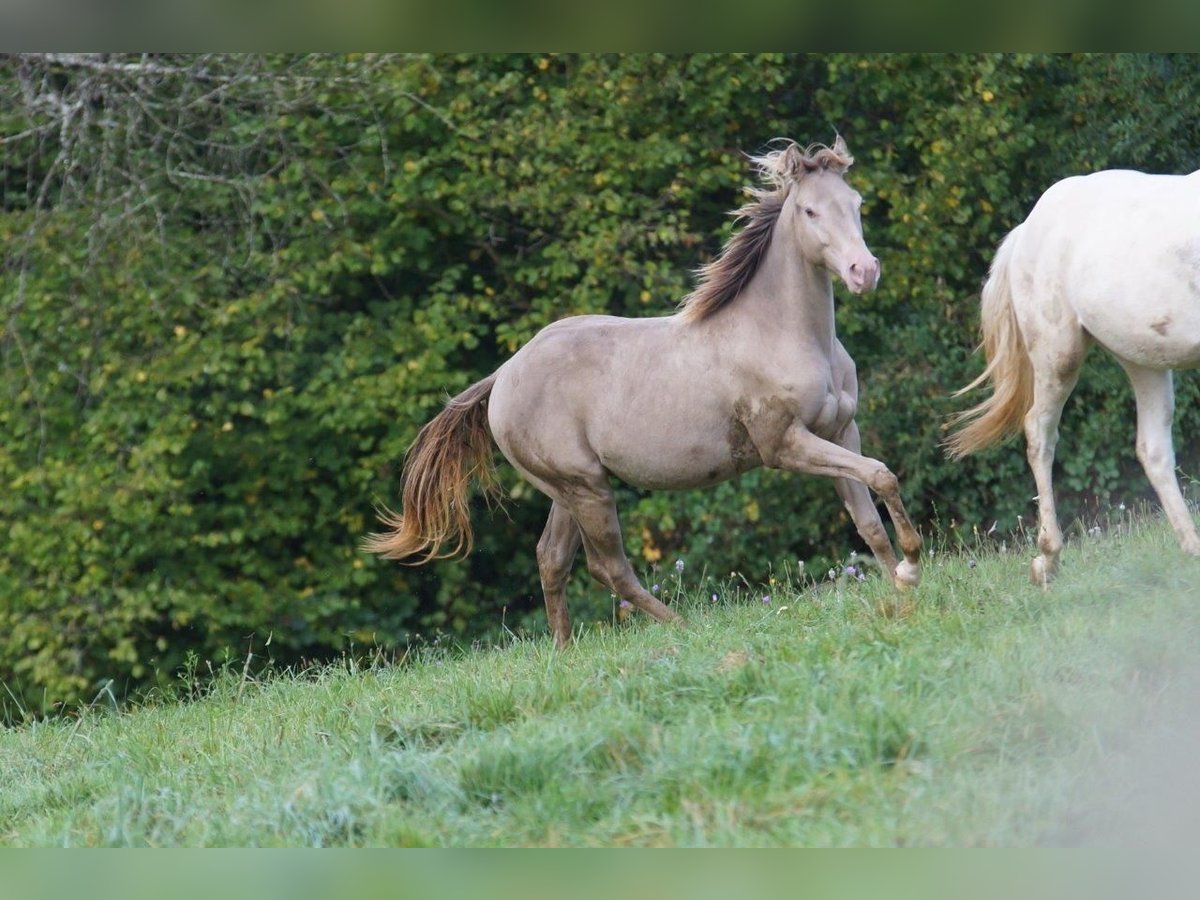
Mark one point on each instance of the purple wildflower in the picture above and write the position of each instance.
(767, 599)
(625, 604)
(679, 566)
(654, 588)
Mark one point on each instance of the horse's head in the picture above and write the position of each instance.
(825, 213)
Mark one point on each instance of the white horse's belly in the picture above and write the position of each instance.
(1155, 323)
(1160, 350)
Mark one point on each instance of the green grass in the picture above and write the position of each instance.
(977, 711)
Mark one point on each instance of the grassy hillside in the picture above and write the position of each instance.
(978, 711)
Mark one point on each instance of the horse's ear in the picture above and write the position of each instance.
(840, 148)
(791, 164)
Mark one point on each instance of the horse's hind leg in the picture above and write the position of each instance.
(1155, 392)
(555, 553)
(593, 509)
(1052, 384)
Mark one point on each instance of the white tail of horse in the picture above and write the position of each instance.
(1008, 366)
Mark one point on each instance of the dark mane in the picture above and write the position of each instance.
(723, 278)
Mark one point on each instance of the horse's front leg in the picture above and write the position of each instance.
(802, 451)
(861, 507)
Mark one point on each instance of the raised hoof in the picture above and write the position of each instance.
(1042, 572)
(906, 576)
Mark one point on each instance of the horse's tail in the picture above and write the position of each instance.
(1008, 366)
(453, 449)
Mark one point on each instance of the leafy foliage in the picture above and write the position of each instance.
(236, 287)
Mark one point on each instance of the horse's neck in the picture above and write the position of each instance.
(791, 296)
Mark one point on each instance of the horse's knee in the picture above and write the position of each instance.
(884, 483)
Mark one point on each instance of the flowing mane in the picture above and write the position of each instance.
(723, 278)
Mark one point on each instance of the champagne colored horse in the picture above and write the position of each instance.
(747, 373)
(1111, 258)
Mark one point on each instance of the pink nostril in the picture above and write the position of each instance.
(862, 273)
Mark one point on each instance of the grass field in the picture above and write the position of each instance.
(976, 711)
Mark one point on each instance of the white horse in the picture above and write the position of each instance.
(1111, 258)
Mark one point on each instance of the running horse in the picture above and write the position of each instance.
(1111, 258)
(748, 372)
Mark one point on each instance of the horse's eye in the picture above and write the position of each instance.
(810, 212)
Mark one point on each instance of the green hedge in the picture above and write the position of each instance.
(235, 287)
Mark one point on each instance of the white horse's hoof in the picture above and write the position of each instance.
(907, 575)
(1042, 572)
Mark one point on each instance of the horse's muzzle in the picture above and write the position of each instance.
(862, 274)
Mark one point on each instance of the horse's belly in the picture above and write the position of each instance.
(675, 464)
(1163, 353)
(1158, 335)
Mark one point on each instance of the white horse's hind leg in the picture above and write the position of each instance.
(1050, 392)
(1155, 393)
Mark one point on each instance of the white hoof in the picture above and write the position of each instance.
(907, 575)
(1042, 572)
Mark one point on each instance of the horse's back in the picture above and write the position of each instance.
(1116, 254)
(643, 399)
(564, 363)
(1080, 196)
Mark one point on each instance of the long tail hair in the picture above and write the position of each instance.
(451, 451)
(1008, 367)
